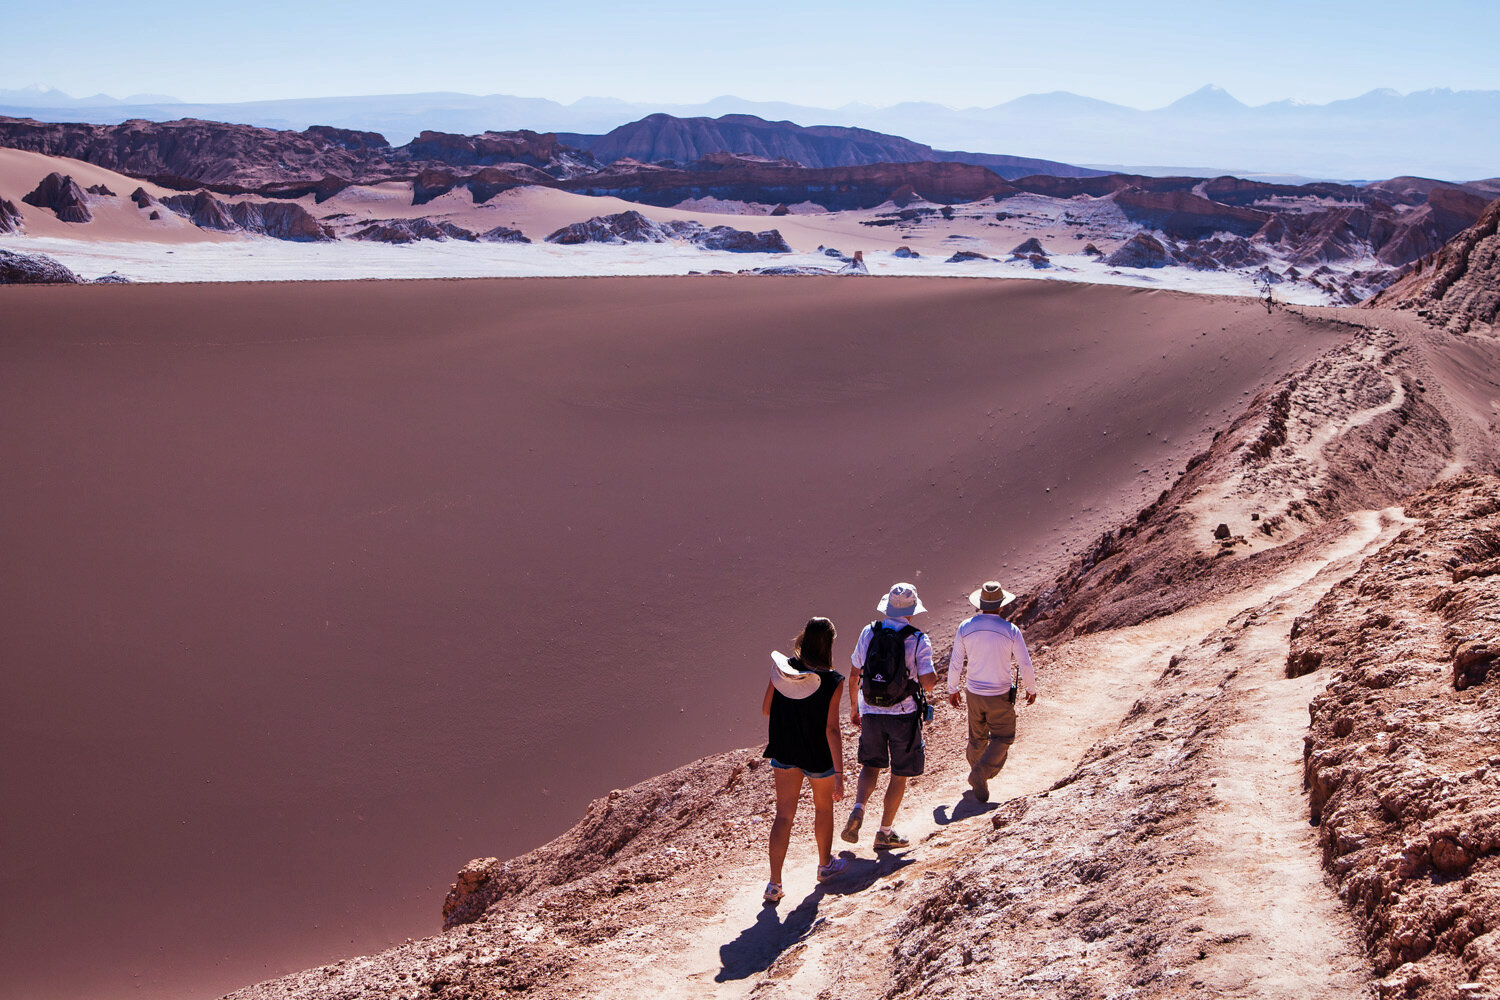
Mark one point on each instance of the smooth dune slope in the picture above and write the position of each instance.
(317, 591)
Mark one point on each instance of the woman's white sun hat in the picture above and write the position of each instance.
(901, 602)
(795, 684)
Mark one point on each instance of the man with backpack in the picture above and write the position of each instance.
(892, 671)
(992, 648)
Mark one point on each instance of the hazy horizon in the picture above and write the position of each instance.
(970, 54)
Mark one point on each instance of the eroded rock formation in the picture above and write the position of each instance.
(62, 195)
(1141, 250)
(10, 218)
(413, 231)
(282, 220)
(633, 227)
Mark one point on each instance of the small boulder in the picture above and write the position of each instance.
(100, 189)
(63, 196)
(112, 278)
(502, 235)
(964, 255)
(1221, 532)
(904, 251)
(781, 210)
(1031, 246)
(142, 199)
(1093, 251)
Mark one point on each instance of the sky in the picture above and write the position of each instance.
(961, 53)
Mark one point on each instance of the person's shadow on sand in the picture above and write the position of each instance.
(965, 808)
(760, 944)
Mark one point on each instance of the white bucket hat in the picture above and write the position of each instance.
(795, 684)
(901, 602)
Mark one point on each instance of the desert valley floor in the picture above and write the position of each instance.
(350, 583)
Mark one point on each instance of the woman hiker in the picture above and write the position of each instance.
(802, 703)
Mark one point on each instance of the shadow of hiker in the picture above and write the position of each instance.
(967, 806)
(762, 942)
(865, 872)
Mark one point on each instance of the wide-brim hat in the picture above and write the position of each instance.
(795, 684)
(901, 602)
(991, 597)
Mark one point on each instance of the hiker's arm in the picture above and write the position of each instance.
(956, 671)
(925, 672)
(765, 703)
(856, 666)
(1028, 672)
(854, 696)
(836, 743)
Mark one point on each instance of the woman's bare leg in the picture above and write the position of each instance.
(788, 788)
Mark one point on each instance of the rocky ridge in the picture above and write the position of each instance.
(1459, 286)
(1401, 758)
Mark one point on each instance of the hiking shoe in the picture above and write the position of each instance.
(851, 828)
(980, 786)
(834, 867)
(773, 892)
(890, 841)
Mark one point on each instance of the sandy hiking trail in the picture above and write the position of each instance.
(1282, 932)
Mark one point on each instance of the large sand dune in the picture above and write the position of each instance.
(317, 591)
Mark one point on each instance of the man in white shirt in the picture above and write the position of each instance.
(989, 645)
(890, 733)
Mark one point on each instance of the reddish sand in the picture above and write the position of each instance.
(314, 592)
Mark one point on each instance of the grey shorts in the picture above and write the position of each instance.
(892, 741)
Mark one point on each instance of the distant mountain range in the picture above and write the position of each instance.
(1436, 133)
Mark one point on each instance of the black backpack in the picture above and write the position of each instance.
(884, 679)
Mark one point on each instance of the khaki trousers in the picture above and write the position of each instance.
(992, 729)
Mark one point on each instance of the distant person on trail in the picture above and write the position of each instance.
(802, 704)
(989, 645)
(892, 673)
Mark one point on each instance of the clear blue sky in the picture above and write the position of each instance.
(962, 53)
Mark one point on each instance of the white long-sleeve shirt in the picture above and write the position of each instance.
(989, 644)
(918, 661)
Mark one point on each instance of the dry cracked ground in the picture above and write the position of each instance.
(1169, 824)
